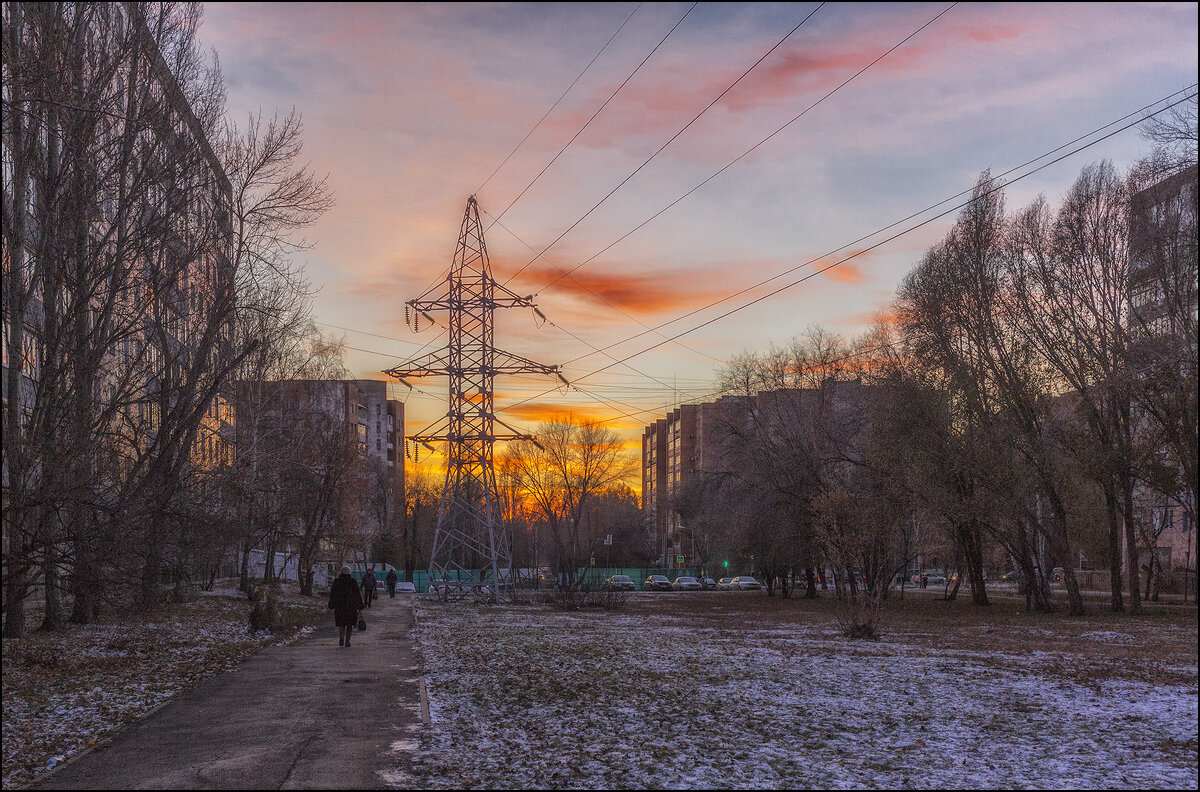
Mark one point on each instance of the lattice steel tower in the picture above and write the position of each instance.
(470, 534)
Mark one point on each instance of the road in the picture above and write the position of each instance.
(310, 715)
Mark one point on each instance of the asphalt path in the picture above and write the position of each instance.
(309, 715)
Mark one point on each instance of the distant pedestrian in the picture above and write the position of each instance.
(346, 604)
(391, 579)
(368, 586)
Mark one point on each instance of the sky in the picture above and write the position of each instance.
(411, 108)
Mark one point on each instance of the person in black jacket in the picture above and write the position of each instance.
(391, 579)
(346, 604)
(368, 586)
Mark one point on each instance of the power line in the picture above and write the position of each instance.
(567, 273)
(746, 153)
(557, 101)
(598, 297)
(670, 140)
(778, 275)
(868, 249)
(435, 283)
(598, 110)
(367, 333)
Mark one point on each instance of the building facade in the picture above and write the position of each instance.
(384, 439)
(1163, 314)
(118, 286)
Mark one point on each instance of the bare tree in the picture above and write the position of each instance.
(570, 465)
(958, 321)
(1071, 281)
(114, 204)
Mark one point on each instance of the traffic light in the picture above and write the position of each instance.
(727, 565)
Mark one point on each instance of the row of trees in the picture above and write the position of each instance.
(148, 246)
(1013, 410)
(562, 494)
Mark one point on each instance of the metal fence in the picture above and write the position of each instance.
(589, 577)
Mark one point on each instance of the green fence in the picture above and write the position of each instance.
(592, 577)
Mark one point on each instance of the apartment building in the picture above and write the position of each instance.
(1163, 303)
(117, 275)
(677, 451)
(699, 443)
(384, 430)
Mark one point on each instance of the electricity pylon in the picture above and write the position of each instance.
(470, 534)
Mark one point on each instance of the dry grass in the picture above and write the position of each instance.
(739, 690)
(1163, 638)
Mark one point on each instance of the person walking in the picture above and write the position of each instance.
(368, 586)
(391, 579)
(346, 604)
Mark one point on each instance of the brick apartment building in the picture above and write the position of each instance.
(1163, 302)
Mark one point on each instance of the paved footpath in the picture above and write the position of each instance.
(310, 715)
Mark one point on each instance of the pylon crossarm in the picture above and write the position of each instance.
(507, 363)
(435, 304)
(518, 434)
(431, 365)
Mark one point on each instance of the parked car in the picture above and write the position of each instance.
(620, 583)
(404, 587)
(932, 577)
(723, 584)
(708, 583)
(656, 583)
(1013, 576)
(686, 583)
(744, 583)
(1056, 575)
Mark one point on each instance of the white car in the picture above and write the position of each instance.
(744, 583)
(406, 588)
(687, 584)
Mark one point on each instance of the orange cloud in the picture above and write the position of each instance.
(995, 32)
(643, 293)
(850, 272)
(861, 319)
(536, 412)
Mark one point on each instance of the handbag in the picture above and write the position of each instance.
(362, 623)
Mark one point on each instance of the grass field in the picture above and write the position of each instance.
(739, 690)
(65, 691)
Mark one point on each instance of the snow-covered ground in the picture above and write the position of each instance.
(65, 691)
(522, 696)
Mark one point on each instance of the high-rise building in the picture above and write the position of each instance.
(1163, 317)
(384, 427)
(117, 228)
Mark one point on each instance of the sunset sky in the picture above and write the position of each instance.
(410, 108)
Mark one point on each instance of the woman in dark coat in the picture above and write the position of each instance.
(346, 603)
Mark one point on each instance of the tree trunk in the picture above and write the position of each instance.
(244, 575)
(1131, 550)
(304, 572)
(83, 585)
(1114, 549)
(810, 582)
(151, 569)
(14, 598)
(55, 616)
(973, 550)
(948, 593)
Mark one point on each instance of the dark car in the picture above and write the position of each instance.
(657, 583)
(708, 583)
(620, 583)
